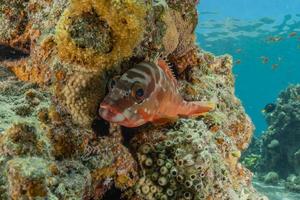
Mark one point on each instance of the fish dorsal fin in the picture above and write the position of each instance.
(164, 65)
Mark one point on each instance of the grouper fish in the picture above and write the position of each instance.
(148, 92)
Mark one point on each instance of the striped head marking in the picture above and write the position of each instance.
(129, 95)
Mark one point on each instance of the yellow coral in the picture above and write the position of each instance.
(186, 34)
(81, 96)
(34, 68)
(171, 37)
(27, 72)
(125, 18)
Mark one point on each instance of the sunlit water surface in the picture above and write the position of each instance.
(263, 37)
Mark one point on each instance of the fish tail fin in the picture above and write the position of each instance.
(196, 108)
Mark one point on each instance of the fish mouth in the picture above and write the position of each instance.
(110, 114)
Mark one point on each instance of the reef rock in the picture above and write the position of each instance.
(53, 145)
(271, 178)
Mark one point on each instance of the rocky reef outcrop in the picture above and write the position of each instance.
(66, 151)
(278, 149)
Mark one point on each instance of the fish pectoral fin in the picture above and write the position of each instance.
(164, 120)
(196, 108)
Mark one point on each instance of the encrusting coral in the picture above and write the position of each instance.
(26, 178)
(14, 23)
(53, 144)
(113, 22)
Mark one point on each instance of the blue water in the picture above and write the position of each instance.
(253, 30)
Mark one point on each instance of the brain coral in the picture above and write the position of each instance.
(79, 99)
(119, 29)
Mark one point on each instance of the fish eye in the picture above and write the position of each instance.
(138, 92)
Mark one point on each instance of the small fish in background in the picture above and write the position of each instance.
(238, 50)
(274, 39)
(279, 59)
(270, 107)
(275, 66)
(293, 34)
(264, 59)
(148, 92)
(237, 62)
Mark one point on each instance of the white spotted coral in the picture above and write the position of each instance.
(186, 165)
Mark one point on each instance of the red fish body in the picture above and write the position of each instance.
(147, 93)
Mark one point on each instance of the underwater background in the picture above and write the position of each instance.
(263, 37)
(58, 63)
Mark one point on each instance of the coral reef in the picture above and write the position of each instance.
(186, 164)
(105, 23)
(19, 101)
(14, 23)
(279, 146)
(293, 183)
(271, 178)
(26, 178)
(53, 145)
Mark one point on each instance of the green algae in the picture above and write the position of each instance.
(16, 105)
